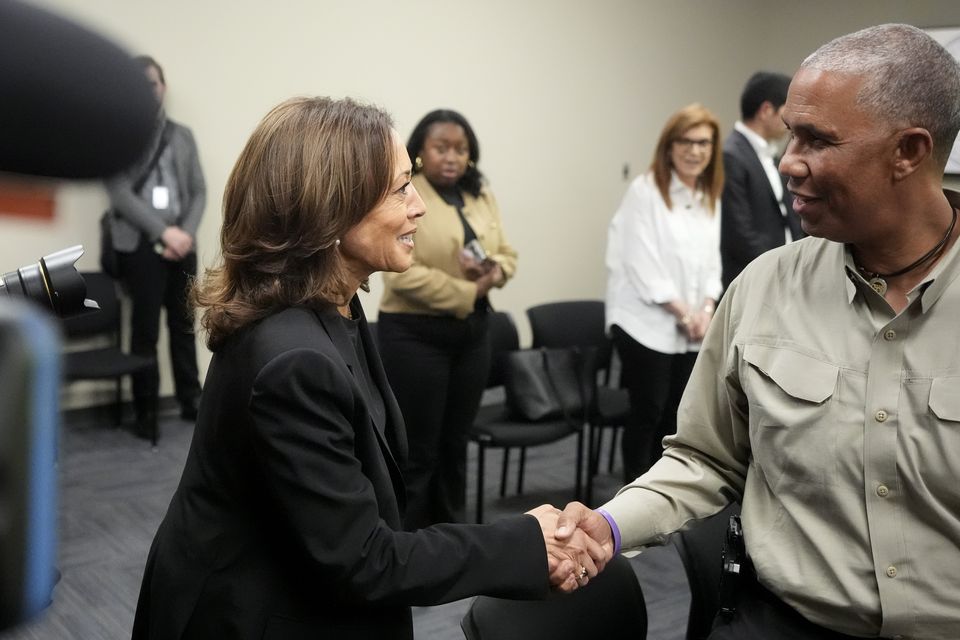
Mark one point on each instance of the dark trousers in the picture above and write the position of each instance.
(154, 283)
(437, 367)
(655, 383)
(761, 615)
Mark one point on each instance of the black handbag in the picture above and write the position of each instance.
(544, 384)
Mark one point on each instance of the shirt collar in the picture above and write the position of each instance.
(946, 269)
(677, 187)
(853, 276)
(760, 146)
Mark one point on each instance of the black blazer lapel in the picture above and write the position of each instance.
(758, 175)
(793, 220)
(338, 336)
(394, 433)
(390, 435)
(396, 429)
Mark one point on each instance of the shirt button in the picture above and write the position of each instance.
(891, 571)
(880, 416)
(889, 334)
(883, 491)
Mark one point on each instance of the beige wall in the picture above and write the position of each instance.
(562, 95)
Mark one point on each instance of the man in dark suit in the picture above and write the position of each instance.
(756, 213)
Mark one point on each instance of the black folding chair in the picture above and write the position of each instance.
(108, 362)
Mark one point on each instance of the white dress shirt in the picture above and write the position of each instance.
(765, 151)
(655, 255)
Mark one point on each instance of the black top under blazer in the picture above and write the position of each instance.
(287, 520)
(751, 222)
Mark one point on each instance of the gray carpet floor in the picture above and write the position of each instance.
(115, 489)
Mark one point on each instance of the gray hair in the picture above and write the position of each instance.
(909, 79)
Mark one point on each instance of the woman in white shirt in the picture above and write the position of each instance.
(663, 260)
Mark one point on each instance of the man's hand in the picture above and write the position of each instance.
(577, 517)
(573, 561)
(177, 241)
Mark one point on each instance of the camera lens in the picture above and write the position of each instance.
(28, 282)
(53, 282)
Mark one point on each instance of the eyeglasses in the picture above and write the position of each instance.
(687, 143)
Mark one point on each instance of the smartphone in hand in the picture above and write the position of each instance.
(475, 250)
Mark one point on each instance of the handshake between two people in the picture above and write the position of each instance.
(579, 544)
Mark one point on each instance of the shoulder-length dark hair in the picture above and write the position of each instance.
(311, 170)
(711, 180)
(472, 179)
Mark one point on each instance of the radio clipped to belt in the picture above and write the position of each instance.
(734, 560)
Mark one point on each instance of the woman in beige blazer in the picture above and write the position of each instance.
(433, 318)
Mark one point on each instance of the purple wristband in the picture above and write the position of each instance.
(613, 528)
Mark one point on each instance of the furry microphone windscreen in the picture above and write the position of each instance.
(72, 104)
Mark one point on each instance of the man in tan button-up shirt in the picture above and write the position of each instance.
(827, 392)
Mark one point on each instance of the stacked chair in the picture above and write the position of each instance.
(500, 425)
(580, 324)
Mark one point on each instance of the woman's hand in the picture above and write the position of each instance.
(696, 326)
(700, 321)
(692, 323)
(488, 280)
(472, 268)
(485, 273)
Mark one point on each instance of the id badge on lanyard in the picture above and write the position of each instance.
(161, 197)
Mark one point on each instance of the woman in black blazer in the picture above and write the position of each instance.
(287, 520)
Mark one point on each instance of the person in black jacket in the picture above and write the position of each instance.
(288, 519)
(757, 213)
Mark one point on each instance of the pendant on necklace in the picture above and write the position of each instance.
(878, 284)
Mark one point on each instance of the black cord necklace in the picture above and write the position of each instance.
(878, 281)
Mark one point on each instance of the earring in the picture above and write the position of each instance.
(418, 163)
(336, 243)
(472, 164)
